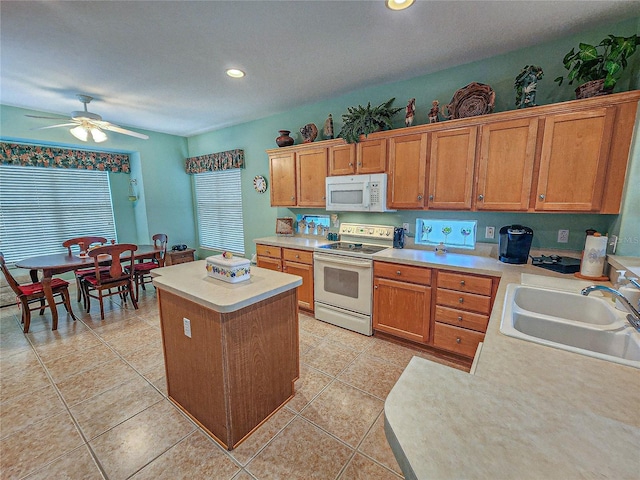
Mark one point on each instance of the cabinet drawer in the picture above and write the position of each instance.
(270, 263)
(300, 256)
(465, 283)
(460, 318)
(464, 301)
(404, 273)
(456, 340)
(268, 251)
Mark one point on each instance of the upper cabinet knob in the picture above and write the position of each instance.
(542, 196)
(419, 197)
(480, 197)
(430, 197)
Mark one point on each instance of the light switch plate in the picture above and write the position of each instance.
(563, 236)
(490, 232)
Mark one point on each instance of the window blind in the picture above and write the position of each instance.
(219, 209)
(42, 207)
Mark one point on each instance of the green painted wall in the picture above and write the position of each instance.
(499, 72)
(164, 189)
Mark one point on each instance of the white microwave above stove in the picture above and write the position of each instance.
(357, 193)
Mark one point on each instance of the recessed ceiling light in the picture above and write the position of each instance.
(235, 73)
(398, 4)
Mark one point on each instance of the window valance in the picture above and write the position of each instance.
(215, 161)
(44, 156)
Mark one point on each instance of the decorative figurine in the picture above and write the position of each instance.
(526, 84)
(411, 110)
(328, 128)
(434, 112)
(309, 132)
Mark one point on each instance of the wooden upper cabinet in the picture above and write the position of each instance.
(282, 172)
(505, 165)
(573, 161)
(407, 171)
(311, 166)
(371, 156)
(342, 159)
(451, 163)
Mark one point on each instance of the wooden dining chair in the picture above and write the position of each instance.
(117, 277)
(33, 292)
(83, 243)
(142, 270)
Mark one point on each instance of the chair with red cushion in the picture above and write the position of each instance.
(83, 244)
(116, 277)
(142, 270)
(33, 292)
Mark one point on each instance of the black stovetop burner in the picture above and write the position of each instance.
(354, 247)
(557, 263)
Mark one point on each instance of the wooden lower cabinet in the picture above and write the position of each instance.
(403, 296)
(402, 301)
(175, 257)
(293, 261)
(461, 314)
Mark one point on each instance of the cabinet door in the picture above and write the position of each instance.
(505, 166)
(575, 150)
(305, 291)
(407, 170)
(282, 172)
(371, 156)
(342, 159)
(402, 309)
(451, 168)
(311, 168)
(270, 263)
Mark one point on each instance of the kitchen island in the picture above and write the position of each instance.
(231, 349)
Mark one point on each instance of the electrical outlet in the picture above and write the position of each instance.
(187, 327)
(406, 227)
(563, 236)
(490, 232)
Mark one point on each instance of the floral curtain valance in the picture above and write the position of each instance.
(215, 161)
(42, 156)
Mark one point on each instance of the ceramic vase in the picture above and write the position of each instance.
(284, 140)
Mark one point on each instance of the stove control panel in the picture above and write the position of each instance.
(367, 231)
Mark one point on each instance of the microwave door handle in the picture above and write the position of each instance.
(367, 195)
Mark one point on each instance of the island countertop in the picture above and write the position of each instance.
(191, 281)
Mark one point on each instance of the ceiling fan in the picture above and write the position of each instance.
(87, 124)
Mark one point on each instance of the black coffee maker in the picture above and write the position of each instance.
(398, 237)
(515, 243)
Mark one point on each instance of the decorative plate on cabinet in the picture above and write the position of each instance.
(260, 184)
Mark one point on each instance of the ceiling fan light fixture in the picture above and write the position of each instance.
(80, 133)
(98, 135)
(398, 4)
(235, 73)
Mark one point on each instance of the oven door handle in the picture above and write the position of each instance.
(352, 262)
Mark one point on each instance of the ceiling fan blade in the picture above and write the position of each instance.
(48, 118)
(56, 126)
(124, 131)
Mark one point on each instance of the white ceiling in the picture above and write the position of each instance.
(159, 65)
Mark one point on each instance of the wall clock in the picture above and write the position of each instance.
(260, 184)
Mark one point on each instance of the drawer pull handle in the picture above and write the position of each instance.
(398, 272)
(461, 300)
(458, 340)
(297, 256)
(460, 318)
(462, 283)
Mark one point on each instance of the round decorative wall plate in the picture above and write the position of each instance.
(260, 184)
(472, 100)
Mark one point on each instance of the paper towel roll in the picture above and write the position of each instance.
(595, 250)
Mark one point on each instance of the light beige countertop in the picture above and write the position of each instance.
(299, 242)
(528, 411)
(631, 264)
(190, 280)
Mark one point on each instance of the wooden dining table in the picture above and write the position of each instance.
(58, 263)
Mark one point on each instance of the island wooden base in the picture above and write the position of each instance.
(237, 369)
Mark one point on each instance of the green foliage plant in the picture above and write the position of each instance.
(365, 120)
(606, 60)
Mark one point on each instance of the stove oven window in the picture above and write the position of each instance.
(341, 282)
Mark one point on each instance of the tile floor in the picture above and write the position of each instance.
(89, 402)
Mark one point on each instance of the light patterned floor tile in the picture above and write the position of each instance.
(300, 452)
(77, 362)
(77, 464)
(329, 357)
(128, 447)
(362, 468)
(372, 375)
(344, 411)
(28, 409)
(310, 383)
(375, 445)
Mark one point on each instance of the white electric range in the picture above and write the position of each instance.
(343, 276)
